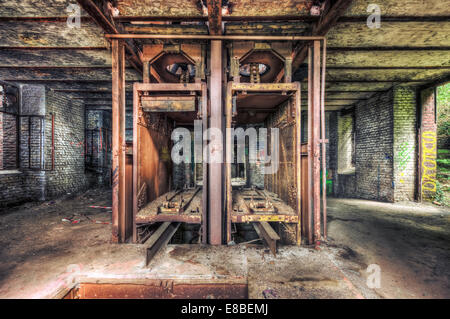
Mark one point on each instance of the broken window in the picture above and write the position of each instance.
(9, 127)
(346, 143)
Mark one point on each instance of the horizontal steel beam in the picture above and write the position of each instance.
(159, 239)
(266, 232)
(215, 37)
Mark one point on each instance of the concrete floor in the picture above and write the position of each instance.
(42, 256)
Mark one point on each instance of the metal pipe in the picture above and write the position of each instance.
(216, 37)
(324, 156)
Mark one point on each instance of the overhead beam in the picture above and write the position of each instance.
(321, 28)
(105, 21)
(62, 74)
(37, 35)
(404, 34)
(277, 18)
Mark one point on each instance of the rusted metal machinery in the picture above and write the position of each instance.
(259, 90)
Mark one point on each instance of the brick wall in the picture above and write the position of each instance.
(385, 148)
(69, 175)
(39, 183)
(405, 149)
(428, 144)
(373, 176)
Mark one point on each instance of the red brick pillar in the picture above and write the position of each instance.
(428, 145)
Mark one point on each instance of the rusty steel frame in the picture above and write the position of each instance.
(101, 288)
(166, 87)
(315, 108)
(261, 87)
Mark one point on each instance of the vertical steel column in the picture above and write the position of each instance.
(215, 169)
(136, 138)
(316, 140)
(310, 154)
(228, 158)
(118, 152)
(298, 159)
(324, 148)
(204, 166)
(146, 72)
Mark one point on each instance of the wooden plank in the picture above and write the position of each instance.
(55, 57)
(63, 74)
(57, 34)
(29, 8)
(403, 34)
(388, 58)
(416, 8)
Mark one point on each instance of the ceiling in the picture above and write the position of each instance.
(412, 46)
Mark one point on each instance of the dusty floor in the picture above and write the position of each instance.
(41, 255)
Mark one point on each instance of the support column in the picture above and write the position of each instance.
(118, 141)
(428, 145)
(314, 140)
(215, 169)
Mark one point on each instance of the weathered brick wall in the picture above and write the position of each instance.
(428, 144)
(373, 177)
(22, 185)
(69, 175)
(374, 151)
(1, 138)
(8, 141)
(385, 148)
(405, 148)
